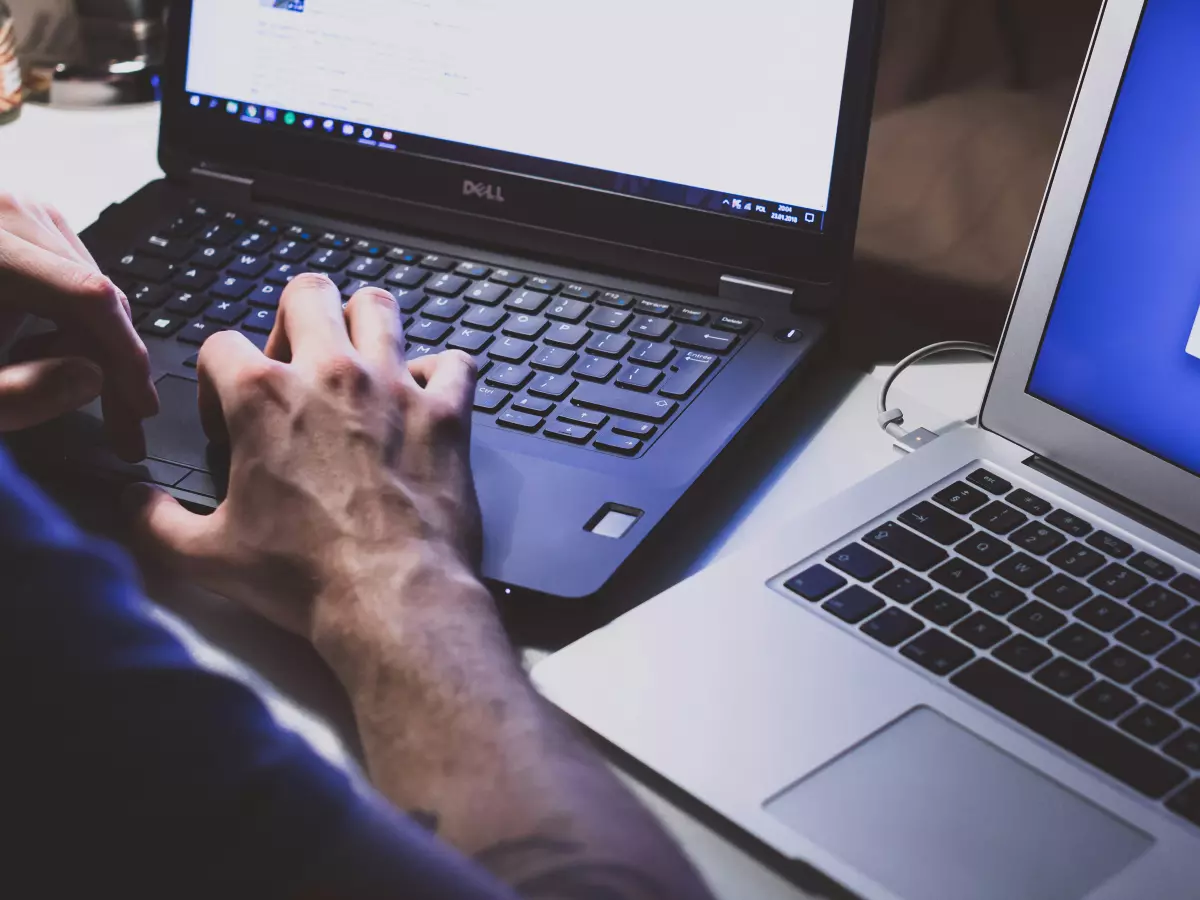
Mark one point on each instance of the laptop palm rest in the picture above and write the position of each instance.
(932, 812)
(176, 435)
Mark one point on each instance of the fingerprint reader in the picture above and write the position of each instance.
(614, 521)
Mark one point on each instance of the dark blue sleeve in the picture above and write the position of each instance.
(129, 770)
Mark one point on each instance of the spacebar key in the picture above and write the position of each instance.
(624, 403)
(1070, 728)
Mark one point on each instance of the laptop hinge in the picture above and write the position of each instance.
(744, 290)
(223, 186)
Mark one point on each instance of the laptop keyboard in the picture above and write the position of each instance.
(573, 363)
(1041, 614)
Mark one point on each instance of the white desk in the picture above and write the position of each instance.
(84, 160)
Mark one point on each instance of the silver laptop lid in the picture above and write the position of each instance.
(1099, 371)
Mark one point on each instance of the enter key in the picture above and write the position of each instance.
(693, 369)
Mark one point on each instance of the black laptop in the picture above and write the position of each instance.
(636, 216)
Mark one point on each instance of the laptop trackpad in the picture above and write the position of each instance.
(175, 434)
(932, 812)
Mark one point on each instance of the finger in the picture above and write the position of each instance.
(225, 358)
(450, 378)
(60, 223)
(311, 323)
(78, 298)
(164, 531)
(33, 393)
(123, 427)
(376, 332)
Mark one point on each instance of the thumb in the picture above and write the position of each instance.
(164, 532)
(32, 393)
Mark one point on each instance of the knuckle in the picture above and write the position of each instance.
(100, 293)
(342, 372)
(255, 379)
(8, 201)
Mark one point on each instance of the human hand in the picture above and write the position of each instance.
(45, 271)
(350, 486)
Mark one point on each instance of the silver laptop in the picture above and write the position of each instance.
(975, 675)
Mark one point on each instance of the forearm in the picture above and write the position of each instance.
(455, 734)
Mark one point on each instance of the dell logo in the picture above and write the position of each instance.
(483, 191)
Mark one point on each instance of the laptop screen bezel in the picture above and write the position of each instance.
(190, 138)
(1010, 410)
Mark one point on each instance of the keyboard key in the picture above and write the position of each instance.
(570, 337)
(958, 575)
(1072, 525)
(999, 518)
(148, 296)
(690, 315)
(816, 583)
(1026, 501)
(1023, 571)
(1149, 724)
(630, 428)
(1078, 642)
(282, 273)
(225, 312)
(614, 443)
(512, 350)
(993, 484)
(171, 249)
(261, 321)
(1022, 653)
(1106, 700)
(1063, 677)
(157, 325)
(368, 268)
(1152, 566)
(937, 652)
(527, 302)
(1117, 581)
(1120, 665)
(997, 597)
(1145, 636)
(470, 340)
(961, 498)
(196, 333)
(249, 266)
(553, 359)
(444, 309)
(624, 403)
(612, 345)
(407, 299)
(194, 279)
(736, 324)
(1185, 748)
(1191, 711)
(609, 319)
(256, 242)
(1038, 619)
(219, 235)
(211, 258)
(437, 263)
(588, 417)
(484, 317)
(903, 587)
(639, 378)
(1188, 585)
(854, 604)
(402, 257)
(859, 562)
(1037, 539)
(564, 309)
(1111, 545)
(553, 387)
(427, 332)
(187, 304)
(1078, 560)
(145, 268)
(572, 434)
(519, 421)
(528, 327)
(696, 338)
(508, 277)
(981, 630)
(538, 283)
(232, 288)
(935, 523)
(266, 295)
(1103, 614)
(487, 293)
(1163, 688)
(489, 399)
(650, 328)
(1070, 728)
(654, 308)
(647, 353)
(408, 276)
(616, 300)
(292, 251)
(1189, 624)
(1159, 603)
(693, 368)
(472, 270)
(448, 286)
(534, 406)
(893, 627)
(941, 608)
(596, 368)
(1062, 592)
(906, 547)
(328, 260)
(509, 376)
(1184, 658)
(579, 292)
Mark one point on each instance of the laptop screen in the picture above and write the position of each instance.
(729, 107)
(1122, 346)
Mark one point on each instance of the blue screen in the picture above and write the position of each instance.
(1115, 352)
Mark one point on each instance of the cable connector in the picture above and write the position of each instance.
(916, 439)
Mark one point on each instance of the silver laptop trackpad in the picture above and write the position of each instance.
(932, 812)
